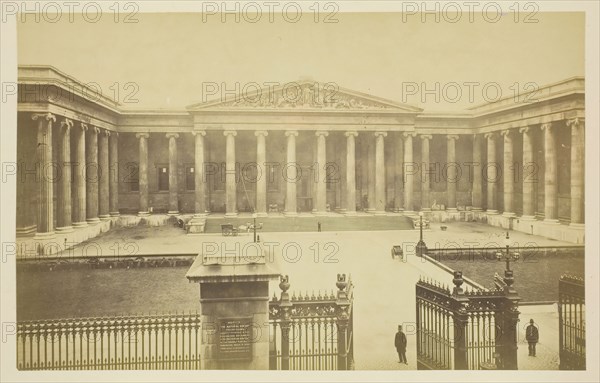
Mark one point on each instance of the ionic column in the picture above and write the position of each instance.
(508, 174)
(408, 172)
(79, 214)
(399, 173)
(199, 184)
(577, 170)
(350, 173)
(103, 175)
(173, 188)
(45, 214)
(425, 176)
(261, 182)
(380, 172)
(322, 172)
(491, 173)
(451, 171)
(113, 148)
(291, 174)
(92, 179)
(63, 219)
(528, 178)
(143, 173)
(230, 186)
(477, 187)
(550, 175)
(371, 174)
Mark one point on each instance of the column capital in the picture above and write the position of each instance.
(94, 129)
(575, 122)
(142, 135)
(67, 124)
(105, 132)
(172, 135)
(452, 137)
(321, 133)
(289, 133)
(426, 136)
(232, 133)
(524, 130)
(201, 133)
(263, 133)
(352, 133)
(409, 134)
(490, 135)
(47, 116)
(382, 134)
(506, 133)
(83, 126)
(546, 126)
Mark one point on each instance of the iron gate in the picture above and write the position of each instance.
(312, 332)
(571, 322)
(473, 330)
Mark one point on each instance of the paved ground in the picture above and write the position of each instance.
(384, 287)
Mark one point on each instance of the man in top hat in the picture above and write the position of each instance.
(532, 336)
(400, 343)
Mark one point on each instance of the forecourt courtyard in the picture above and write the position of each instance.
(384, 288)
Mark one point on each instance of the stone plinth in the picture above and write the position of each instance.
(234, 303)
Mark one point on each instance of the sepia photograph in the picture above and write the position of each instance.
(300, 190)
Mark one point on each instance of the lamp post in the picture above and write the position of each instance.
(421, 247)
(507, 256)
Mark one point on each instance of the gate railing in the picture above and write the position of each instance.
(465, 330)
(166, 342)
(312, 332)
(571, 325)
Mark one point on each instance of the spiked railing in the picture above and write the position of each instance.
(161, 342)
(312, 331)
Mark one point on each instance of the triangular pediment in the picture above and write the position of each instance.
(305, 95)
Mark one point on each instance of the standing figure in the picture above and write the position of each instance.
(319, 227)
(532, 336)
(400, 343)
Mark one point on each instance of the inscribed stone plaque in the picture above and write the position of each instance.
(235, 338)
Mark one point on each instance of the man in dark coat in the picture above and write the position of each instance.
(400, 343)
(532, 336)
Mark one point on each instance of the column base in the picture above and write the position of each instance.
(476, 209)
(320, 212)
(79, 224)
(527, 218)
(410, 212)
(451, 209)
(577, 225)
(426, 209)
(27, 230)
(114, 214)
(262, 214)
(350, 213)
(173, 212)
(93, 221)
(231, 214)
(398, 210)
(508, 214)
(551, 221)
(290, 213)
(65, 229)
(200, 215)
(44, 236)
(492, 211)
(379, 212)
(143, 214)
(104, 217)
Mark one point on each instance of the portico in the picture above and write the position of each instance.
(320, 152)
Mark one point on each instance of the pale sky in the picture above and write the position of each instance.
(170, 56)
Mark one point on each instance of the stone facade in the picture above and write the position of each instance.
(511, 164)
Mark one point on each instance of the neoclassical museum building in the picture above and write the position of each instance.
(86, 162)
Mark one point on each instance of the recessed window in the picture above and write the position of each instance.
(190, 178)
(163, 178)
